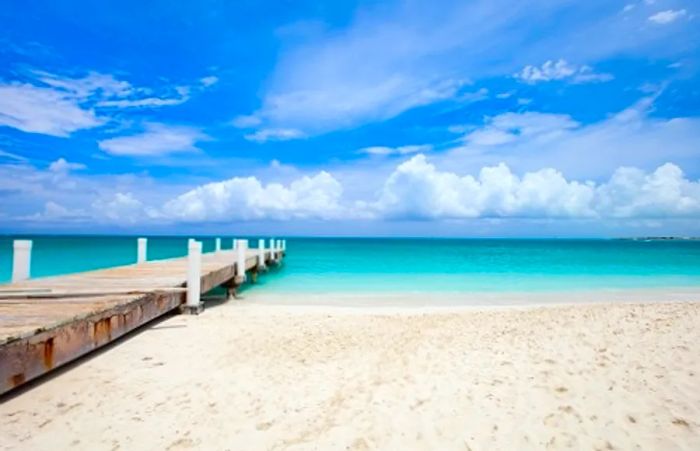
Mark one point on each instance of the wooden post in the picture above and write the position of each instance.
(240, 261)
(261, 254)
(284, 245)
(21, 260)
(272, 249)
(141, 250)
(194, 270)
(233, 244)
(217, 245)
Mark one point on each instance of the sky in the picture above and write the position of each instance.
(483, 118)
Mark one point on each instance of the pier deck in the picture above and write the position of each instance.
(50, 321)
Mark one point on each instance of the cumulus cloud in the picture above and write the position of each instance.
(247, 198)
(53, 211)
(417, 189)
(560, 70)
(122, 208)
(668, 16)
(157, 139)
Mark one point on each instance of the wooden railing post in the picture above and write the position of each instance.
(141, 250)
(194, 274)
(21, 260)
(261, 254)
(240, 261)
(217, 245)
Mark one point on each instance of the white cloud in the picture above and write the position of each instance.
(121, 208)
(274, 134)
(667, 17)
(529, 141)
(12, 156)
(390, 58)
(211, 80)
(417, 189)
(509, 127)
(505, 95)
(61, 165)
(94, 84)
(48, 111)
(401, 150)
(632, 193)
(157, 139)
(247, 198)
(181, 94)
(246, 121)
(56, 194)
(59, 105)
(560, 70)
(54, 211)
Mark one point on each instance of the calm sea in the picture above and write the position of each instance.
(407, 265)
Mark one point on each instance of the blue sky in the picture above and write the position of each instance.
(454, 118)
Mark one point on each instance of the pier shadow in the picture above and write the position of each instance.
(152, 325)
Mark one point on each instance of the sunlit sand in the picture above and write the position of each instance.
(246, 375)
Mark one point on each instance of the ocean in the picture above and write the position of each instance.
(376, 265)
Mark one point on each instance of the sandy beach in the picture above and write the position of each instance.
(245, 375)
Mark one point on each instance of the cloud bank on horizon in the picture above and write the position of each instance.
(355, 114)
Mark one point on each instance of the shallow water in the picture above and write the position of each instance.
(321, 265)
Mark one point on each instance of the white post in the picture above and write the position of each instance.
(21, 260)
(233, 244)
(194, 270)
(240, 260)
(261, 253)
(279, 247)
(217, 245)
(272, 248)
(141, 246)
(284, 245)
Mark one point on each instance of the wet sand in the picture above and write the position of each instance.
(246, 375)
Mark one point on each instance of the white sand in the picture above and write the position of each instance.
(250, 376)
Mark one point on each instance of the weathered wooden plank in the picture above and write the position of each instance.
(46, 329)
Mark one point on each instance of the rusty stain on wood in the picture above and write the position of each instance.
(40, 334)
(48, 353)
(17, 380)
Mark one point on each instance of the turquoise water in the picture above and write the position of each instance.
(408, 265)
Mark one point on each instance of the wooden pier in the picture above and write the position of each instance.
(47, 322)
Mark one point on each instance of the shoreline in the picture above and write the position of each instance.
(471, 299)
